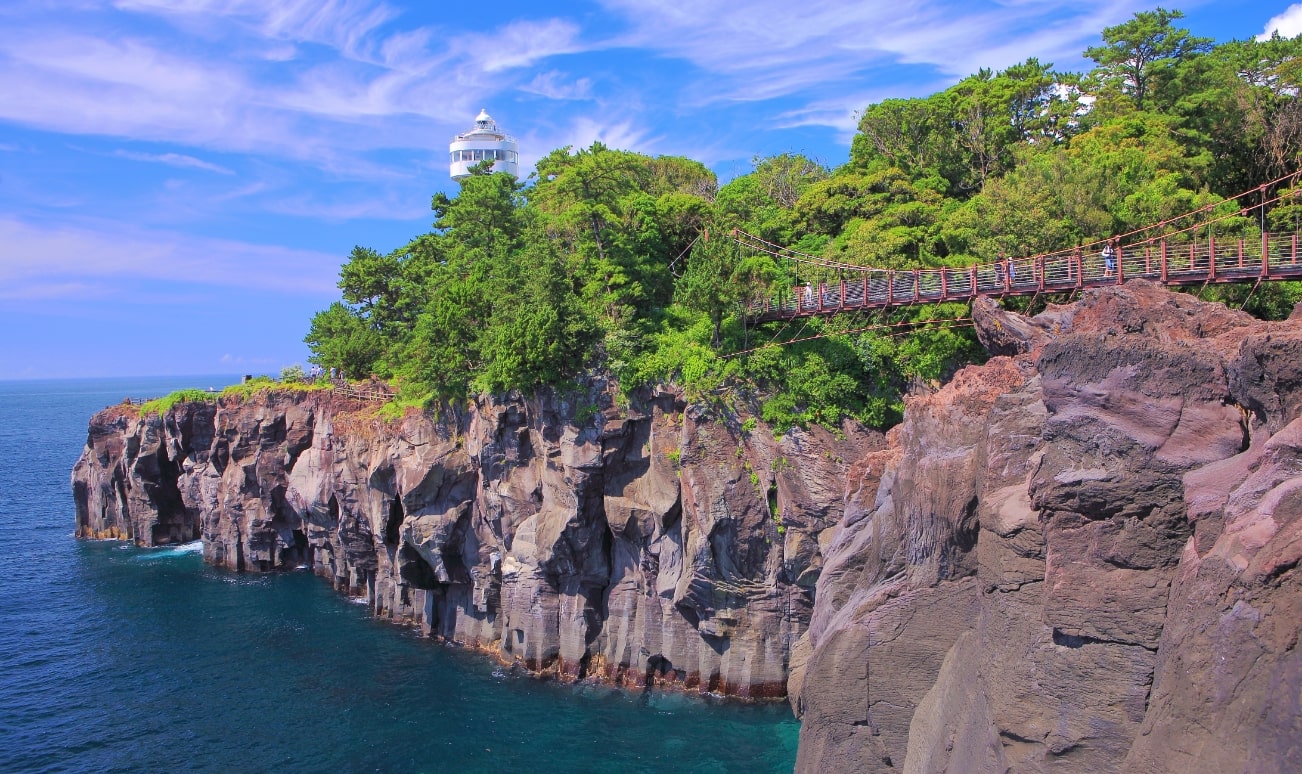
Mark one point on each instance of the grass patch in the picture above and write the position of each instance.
(263, 384)
(241, 391)
(165, 403)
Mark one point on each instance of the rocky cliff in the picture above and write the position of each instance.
(1082, 555)
(643, 545)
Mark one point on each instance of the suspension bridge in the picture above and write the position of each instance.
(1168, 253)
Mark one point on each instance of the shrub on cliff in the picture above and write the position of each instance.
(613, 260)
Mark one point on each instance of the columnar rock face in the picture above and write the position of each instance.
(1079, 557)
(648, 545)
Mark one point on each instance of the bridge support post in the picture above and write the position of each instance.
(1265, 253)
(1121, 263)
(972, 278)
(917, 288)
(1080, 270)
(1211, 258)
(944, 285)
(1039, 269)
(1163, 261)
(890, 286)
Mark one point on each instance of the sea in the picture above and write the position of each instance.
(122, 659)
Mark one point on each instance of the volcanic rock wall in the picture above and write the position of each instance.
(641, 546)
(1082, 557)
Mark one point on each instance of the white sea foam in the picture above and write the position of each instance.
(169, 552)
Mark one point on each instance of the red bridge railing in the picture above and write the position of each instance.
(1273, 257)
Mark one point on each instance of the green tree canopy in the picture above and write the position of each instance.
(1137, 53)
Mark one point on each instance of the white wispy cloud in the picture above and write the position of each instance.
(625, 134)
(383, 87)
(100, 259)
(772, 49)
(344, 25)
(80, 84)
(520, 44)
(555, 84)
(175, 160)
(1288, 24)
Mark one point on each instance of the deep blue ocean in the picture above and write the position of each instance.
(114, 658)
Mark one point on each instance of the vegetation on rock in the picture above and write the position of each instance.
(612, 260)
(242, 391)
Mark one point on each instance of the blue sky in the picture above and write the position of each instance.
(180, 179)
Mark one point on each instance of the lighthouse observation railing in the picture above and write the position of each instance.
(1166, 261)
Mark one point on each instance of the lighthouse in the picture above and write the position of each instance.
(484, 143)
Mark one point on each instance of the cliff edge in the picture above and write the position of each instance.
(1080, 556)
(647, 545)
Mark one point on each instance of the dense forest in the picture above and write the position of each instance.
(615, 262)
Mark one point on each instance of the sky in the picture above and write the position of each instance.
(180, 180)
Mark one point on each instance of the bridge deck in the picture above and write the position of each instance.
(1273, 257)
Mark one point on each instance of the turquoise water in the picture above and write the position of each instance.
(114, 658)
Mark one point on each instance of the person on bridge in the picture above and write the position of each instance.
(1109, 259)
(1012, 272)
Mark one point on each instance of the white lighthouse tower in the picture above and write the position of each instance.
(484, 143)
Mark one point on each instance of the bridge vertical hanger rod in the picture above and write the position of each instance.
(1265, 253)
(1121, 262)
(1211, 254)
(1262, 189)
(1163, 257)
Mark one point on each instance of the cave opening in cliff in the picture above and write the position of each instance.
(656, 666)
(297, 555)
(414, 570)
(173, 525)
(393, 527)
